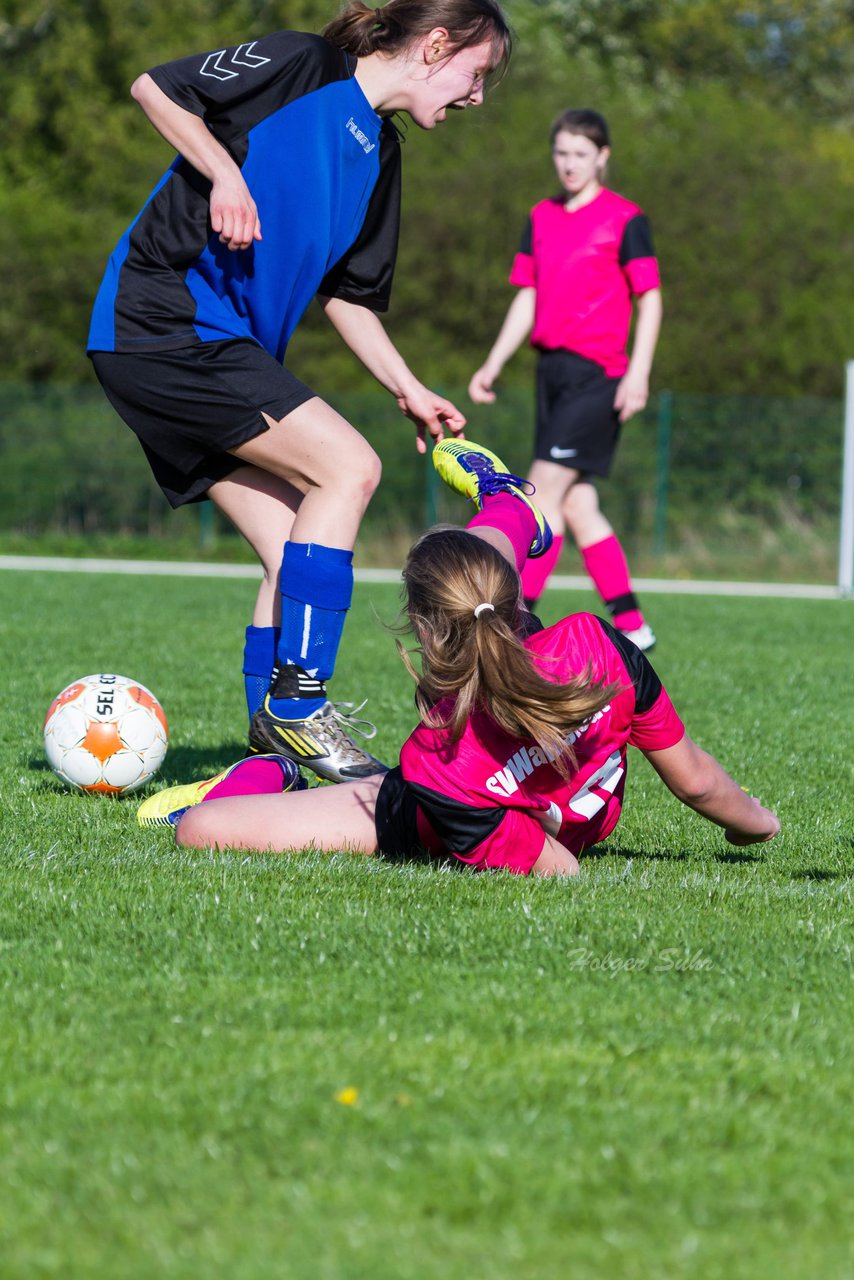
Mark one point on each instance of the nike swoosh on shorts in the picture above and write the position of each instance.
(555, 452)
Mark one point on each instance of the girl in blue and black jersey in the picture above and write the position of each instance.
(286, 187)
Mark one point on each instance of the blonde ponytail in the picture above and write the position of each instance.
(473, 654)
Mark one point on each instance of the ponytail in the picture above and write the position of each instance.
(463, 601)
(393, 27)
(361, 30)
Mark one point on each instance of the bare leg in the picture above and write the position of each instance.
(323, 474)
(308, 478)
(583, 516)
(339, 817)
(553, 483)
(326, 460)
(262, 507)
(605, 560)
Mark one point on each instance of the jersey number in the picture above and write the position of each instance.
(606, 778)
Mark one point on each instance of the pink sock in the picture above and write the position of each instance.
(249, 778)
(536, 573)
(605, 561)
(511, 517)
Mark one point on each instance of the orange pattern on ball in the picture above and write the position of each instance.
(102, 740)
(104, 788)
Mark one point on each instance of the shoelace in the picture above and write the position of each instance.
(340, 720)
(492, 481)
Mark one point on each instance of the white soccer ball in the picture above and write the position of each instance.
(105, 733)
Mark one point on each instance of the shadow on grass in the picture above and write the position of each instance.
(643, 855)
(183, 764)
(193, 764)
(669, 855)
(738, 857)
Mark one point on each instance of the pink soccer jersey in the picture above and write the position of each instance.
(586, 265)
(489, 798)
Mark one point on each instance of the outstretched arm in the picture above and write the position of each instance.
(233, 213)
(365, 335)
(698, 780)
(517, 325)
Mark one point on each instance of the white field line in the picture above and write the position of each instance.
(561, 582)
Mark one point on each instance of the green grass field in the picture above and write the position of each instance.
(337, 1069)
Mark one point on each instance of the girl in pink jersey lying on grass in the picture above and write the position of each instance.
(585, 262)
(519, 761)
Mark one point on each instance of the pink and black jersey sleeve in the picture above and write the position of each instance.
(655, 724)
(637, 255)
(523, 273)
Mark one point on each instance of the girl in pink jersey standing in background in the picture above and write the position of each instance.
(586, 256)
(520, 758)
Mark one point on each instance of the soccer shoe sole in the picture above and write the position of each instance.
(450, 460)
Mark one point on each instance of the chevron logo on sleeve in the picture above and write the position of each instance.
(219, 66)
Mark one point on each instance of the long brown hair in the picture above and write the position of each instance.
(360, 29)
(478, 659)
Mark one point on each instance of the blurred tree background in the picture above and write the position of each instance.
(731, 127)
(731, 124)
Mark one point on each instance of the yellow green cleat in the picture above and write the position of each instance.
(164, 808)
(477, 473)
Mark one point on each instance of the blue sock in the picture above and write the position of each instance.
(259, 658)
(316, 583)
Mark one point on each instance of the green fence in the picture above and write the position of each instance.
(704, 485)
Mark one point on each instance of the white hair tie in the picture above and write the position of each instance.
(480, 608)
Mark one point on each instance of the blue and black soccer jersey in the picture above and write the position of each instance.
(324, 171)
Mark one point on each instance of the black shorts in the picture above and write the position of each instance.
(189, 407)
(577, 424)
(396, 820)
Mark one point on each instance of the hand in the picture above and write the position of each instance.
(234, 215)
(430, 413)
(632, 395)
(480, 387)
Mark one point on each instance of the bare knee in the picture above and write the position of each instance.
(365, 471)
(580, 500)
(351, 476)
(193, 829)
(583, 516)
